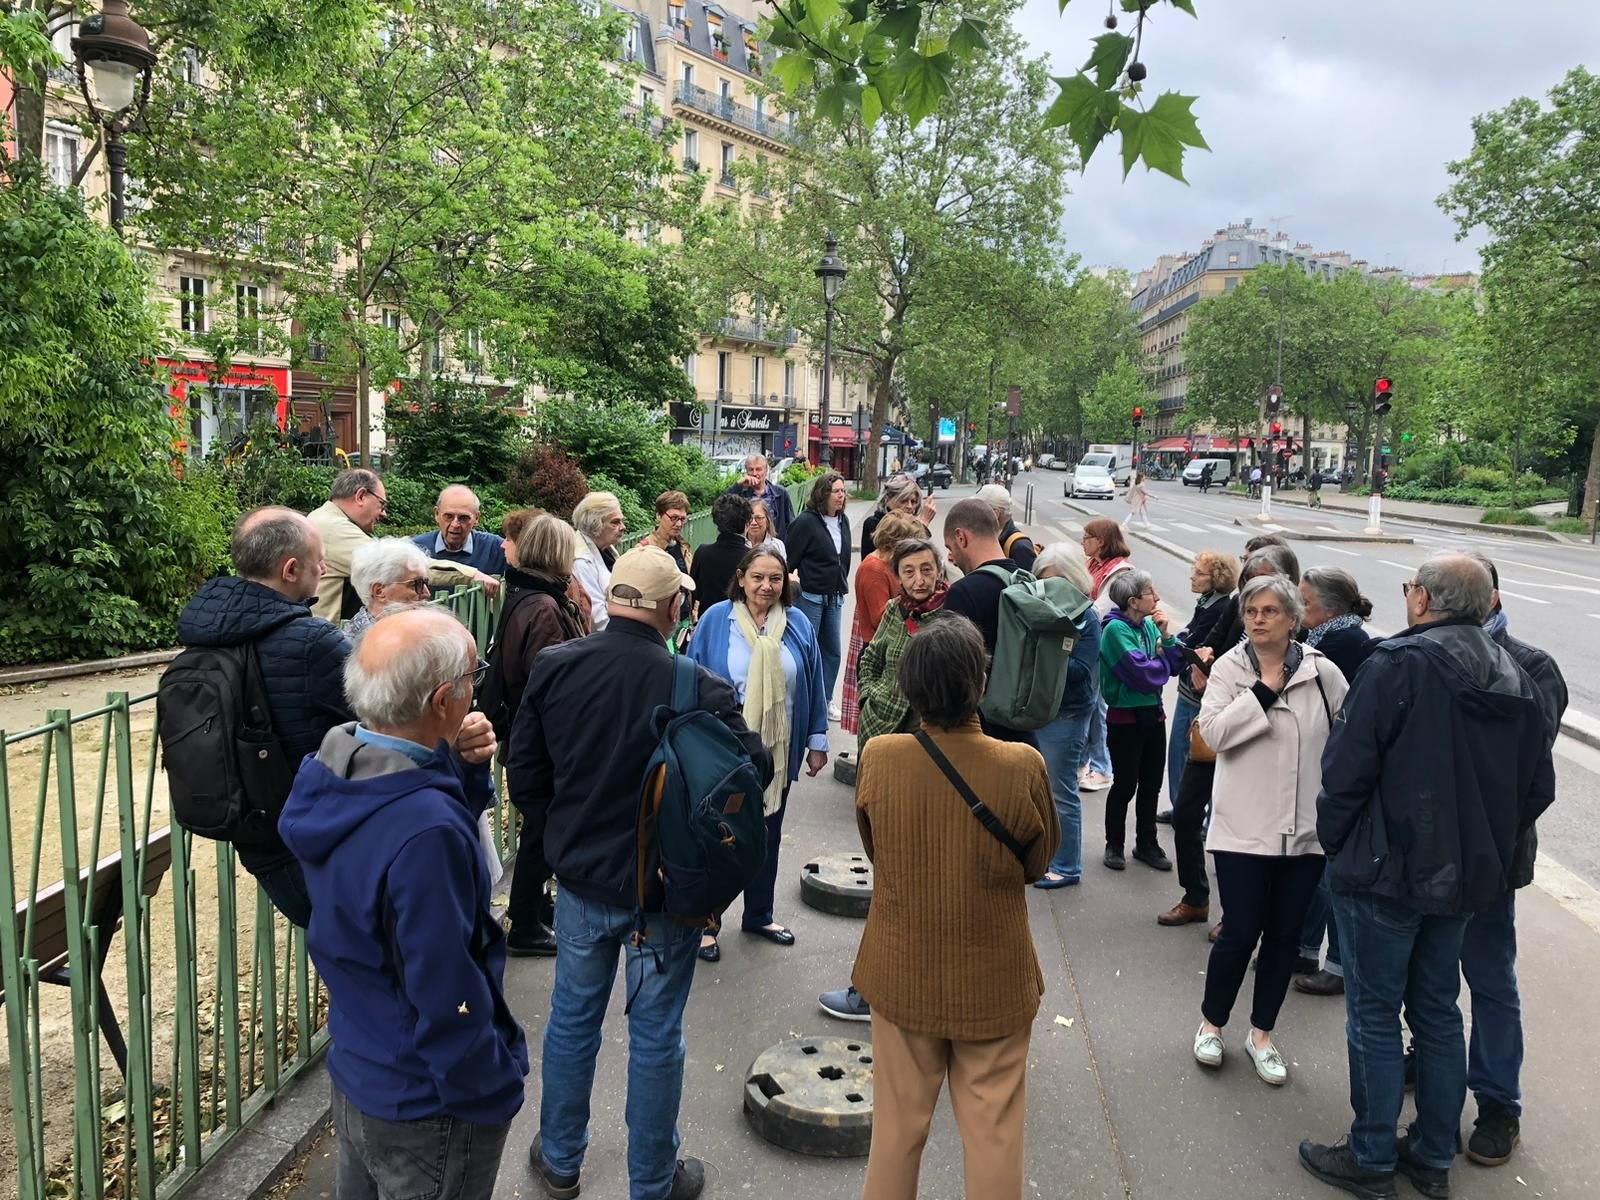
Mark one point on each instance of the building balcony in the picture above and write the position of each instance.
(747, 330)
(741, 115)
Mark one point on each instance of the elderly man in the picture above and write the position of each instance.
(388, 574)
(427, 1061)
(458, 540)
(1018, 546)
(264, 605)
(356, 502)
(1438, 764)
(756, 486)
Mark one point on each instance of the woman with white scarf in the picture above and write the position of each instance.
(763, 645)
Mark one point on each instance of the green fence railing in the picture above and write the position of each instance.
(698, 529)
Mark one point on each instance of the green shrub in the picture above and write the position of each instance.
(798, 472)
(621, 441)
(1570, 525)
(1437, 466)
(269, 472)
(451, 431)
(1511, 516)
(1488, 479)
(1476, 497)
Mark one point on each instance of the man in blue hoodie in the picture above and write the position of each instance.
(427, 1061)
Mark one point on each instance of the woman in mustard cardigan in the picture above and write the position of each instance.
(945, 1004)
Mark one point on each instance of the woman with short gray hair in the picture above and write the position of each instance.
(387, 573)
(1138, 655)
(600, 524)
(1268, 709)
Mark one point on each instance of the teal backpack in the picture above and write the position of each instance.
(1038, 628)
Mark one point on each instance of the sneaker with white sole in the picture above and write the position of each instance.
(847, 1004)
(1207, 1048)
(835, 713)
(1094, 782)
(1269, 1063)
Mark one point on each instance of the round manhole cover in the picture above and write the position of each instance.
(838, 883)
(813, 1096)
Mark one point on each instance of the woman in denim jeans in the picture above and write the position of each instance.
(1062, 740)
(819, 549)
(1106, 550)
(1213, 577)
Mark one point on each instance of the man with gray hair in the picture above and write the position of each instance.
(756, 486)
(264, 611)
(427, 1061)
(389, 574)
(1018, 546)
(458, 541)
(1438, 763)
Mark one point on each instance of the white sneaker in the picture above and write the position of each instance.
(1094, 782)
(1269, 1063)
(1207, 1048)
(835, 713)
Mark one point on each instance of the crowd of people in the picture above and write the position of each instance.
(1376, 795)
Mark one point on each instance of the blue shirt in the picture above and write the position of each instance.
(418, 754)
(479, 551)
(739, 673)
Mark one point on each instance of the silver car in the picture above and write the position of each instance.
(1091, 483)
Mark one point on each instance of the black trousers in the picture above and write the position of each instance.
(761, 891)
(1138, 761)
(1189, 831)
(1265, 899)
(529, 902)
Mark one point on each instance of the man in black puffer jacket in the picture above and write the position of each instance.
(1438, 764)
(278, 556)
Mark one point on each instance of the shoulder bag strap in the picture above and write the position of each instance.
(985, 818)
(685, 685)
(1321, 691)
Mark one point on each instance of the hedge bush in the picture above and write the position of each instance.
(1511, 516)
(546, 477)
(1528, 493)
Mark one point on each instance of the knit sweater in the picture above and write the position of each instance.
(947, 950)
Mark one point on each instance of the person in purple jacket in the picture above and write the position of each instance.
(1137, 657)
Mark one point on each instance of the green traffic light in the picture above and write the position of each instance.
(1405, 437)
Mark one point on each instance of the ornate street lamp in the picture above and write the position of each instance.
(114, 65)
(831, 270)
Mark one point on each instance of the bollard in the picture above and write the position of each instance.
(813, 1096)
(1266, 502)
(1374, 513)
(1027, 506)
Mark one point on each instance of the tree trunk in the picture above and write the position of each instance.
(29, 107)
(1591, 485)
(880, 416)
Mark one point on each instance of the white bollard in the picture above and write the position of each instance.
(1266, 502)
(1374, 513)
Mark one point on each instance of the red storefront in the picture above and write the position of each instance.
(208, 411)
(842, 439)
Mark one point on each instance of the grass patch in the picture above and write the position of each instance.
(1570, 525)
(1511, 516)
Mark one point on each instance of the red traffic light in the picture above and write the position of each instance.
(1382, 387)
(1276, 429)
(1138, 412)
(972, 427)
(1382, 396)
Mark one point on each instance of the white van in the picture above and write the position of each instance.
(1222, 471)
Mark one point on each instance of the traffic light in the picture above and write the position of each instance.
(1138, 416)
(972, 427)
(1274, 400)
(1405, 437)
(1382, 396)
(1276, 429)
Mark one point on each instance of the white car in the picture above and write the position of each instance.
(1091, 482)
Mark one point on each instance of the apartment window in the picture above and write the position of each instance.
(647, 100)
(727, 164)
(757, 376)
(725, 94)
(391, 321)
(691, 150)
(472, 346)
(724, 370)
(191, 66)
(688, 76)
(788, 380)
(192, 304)
(1231, 282)
(62, 149)
(1233, 258)
(247, 304)
(434, 354)
(630, 45)
(674, 15)
(761, 111)
(690, 365)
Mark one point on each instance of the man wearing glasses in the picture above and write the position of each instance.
(1438, 762)
(356, 502)
(456, 515)
(427, 1061)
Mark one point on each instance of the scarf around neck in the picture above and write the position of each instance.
(1495, 624)
(766, 698)
(912, 609)
(1343, 621)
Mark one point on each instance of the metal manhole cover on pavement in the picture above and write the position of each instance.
(813, 1096)
(840, 884)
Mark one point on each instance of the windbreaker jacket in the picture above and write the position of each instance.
(1135, 662)
(1269, 753)
(1439, 761)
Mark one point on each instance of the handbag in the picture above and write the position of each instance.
(1200, 750)
(985, 818)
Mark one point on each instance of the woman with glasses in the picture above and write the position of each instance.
(388, 574)
(819, 548)
(672, 510)
(900, 495)
(918, 603)
(1268, 710)
(758, 530)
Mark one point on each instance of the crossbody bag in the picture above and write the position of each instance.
(980, 810)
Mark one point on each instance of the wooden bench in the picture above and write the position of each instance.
(50, 927)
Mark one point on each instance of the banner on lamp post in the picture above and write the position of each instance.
(947, 431)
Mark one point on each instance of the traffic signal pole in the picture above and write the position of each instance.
(1382, 397)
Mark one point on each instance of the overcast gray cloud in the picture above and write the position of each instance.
(1337, 116)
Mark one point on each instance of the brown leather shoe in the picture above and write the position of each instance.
(1216, 932)
(1184, 913)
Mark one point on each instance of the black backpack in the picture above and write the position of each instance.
(226, 771)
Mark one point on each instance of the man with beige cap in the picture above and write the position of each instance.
(579, 750)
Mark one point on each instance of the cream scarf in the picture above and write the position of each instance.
(766, 700)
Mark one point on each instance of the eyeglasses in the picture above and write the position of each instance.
(479, 673)
(418, 586)
(676, 518)
(1263, 614)
(1405, 588)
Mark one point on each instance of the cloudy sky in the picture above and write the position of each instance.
(1330, 119)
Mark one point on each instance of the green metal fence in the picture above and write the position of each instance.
(698, 529)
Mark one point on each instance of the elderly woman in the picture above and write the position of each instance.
(672, 510)
(599, 522)
(900, 495)
(760, 642)
(875, 587)
(884, 707)
(511, 527)
(819, 547)
(1137, 656)
(1268, 709)
(1335, 610)
(715, 563)
(387, 573)
(1062, 740)
(1106, 549)
(758, 530)
(537, 613)
(1212, 578)
(947, 1005)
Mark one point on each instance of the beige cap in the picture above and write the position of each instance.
(644, 577)
(995, 496)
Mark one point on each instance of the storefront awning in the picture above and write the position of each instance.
(838, 435)
(1168, 444)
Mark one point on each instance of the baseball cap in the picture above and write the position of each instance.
(644, 577)
(995, 496)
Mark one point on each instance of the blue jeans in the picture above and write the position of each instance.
(1397, 956)
(1061, 742)
(1319, 920)
(426, 1159)
(1183, 714)
(1489, 961)
(825, 614)
(1096, 755)
(589, 937)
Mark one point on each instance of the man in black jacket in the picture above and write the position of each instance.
(277, 554)
(755, 485)
(1438, 763)
(580, 745)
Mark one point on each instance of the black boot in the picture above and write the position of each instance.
(535, 942)
(1494, 1135)
(1337, 1166)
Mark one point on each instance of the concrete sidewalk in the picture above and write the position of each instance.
(1116, 1106)
(1449, 516)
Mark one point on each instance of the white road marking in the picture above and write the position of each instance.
(1231, 530)
(1391, 563)
(1189, 528)
(1552, 587)
(1337, 550)
(1520, 596)
(1536, 567)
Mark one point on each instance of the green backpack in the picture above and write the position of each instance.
(1038, 628)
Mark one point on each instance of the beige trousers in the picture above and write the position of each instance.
(988, 1091)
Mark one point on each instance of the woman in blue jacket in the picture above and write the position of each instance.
(762, 644)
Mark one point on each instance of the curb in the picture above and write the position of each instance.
(1300, 535)
(93, 666)
(271, 1142)
(1522, 531)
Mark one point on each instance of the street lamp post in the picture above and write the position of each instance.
(831, 270)
(114, 65)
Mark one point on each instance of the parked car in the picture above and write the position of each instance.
(1090, 481)
(1222, 471)
(932, 475)
(1045, 461)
